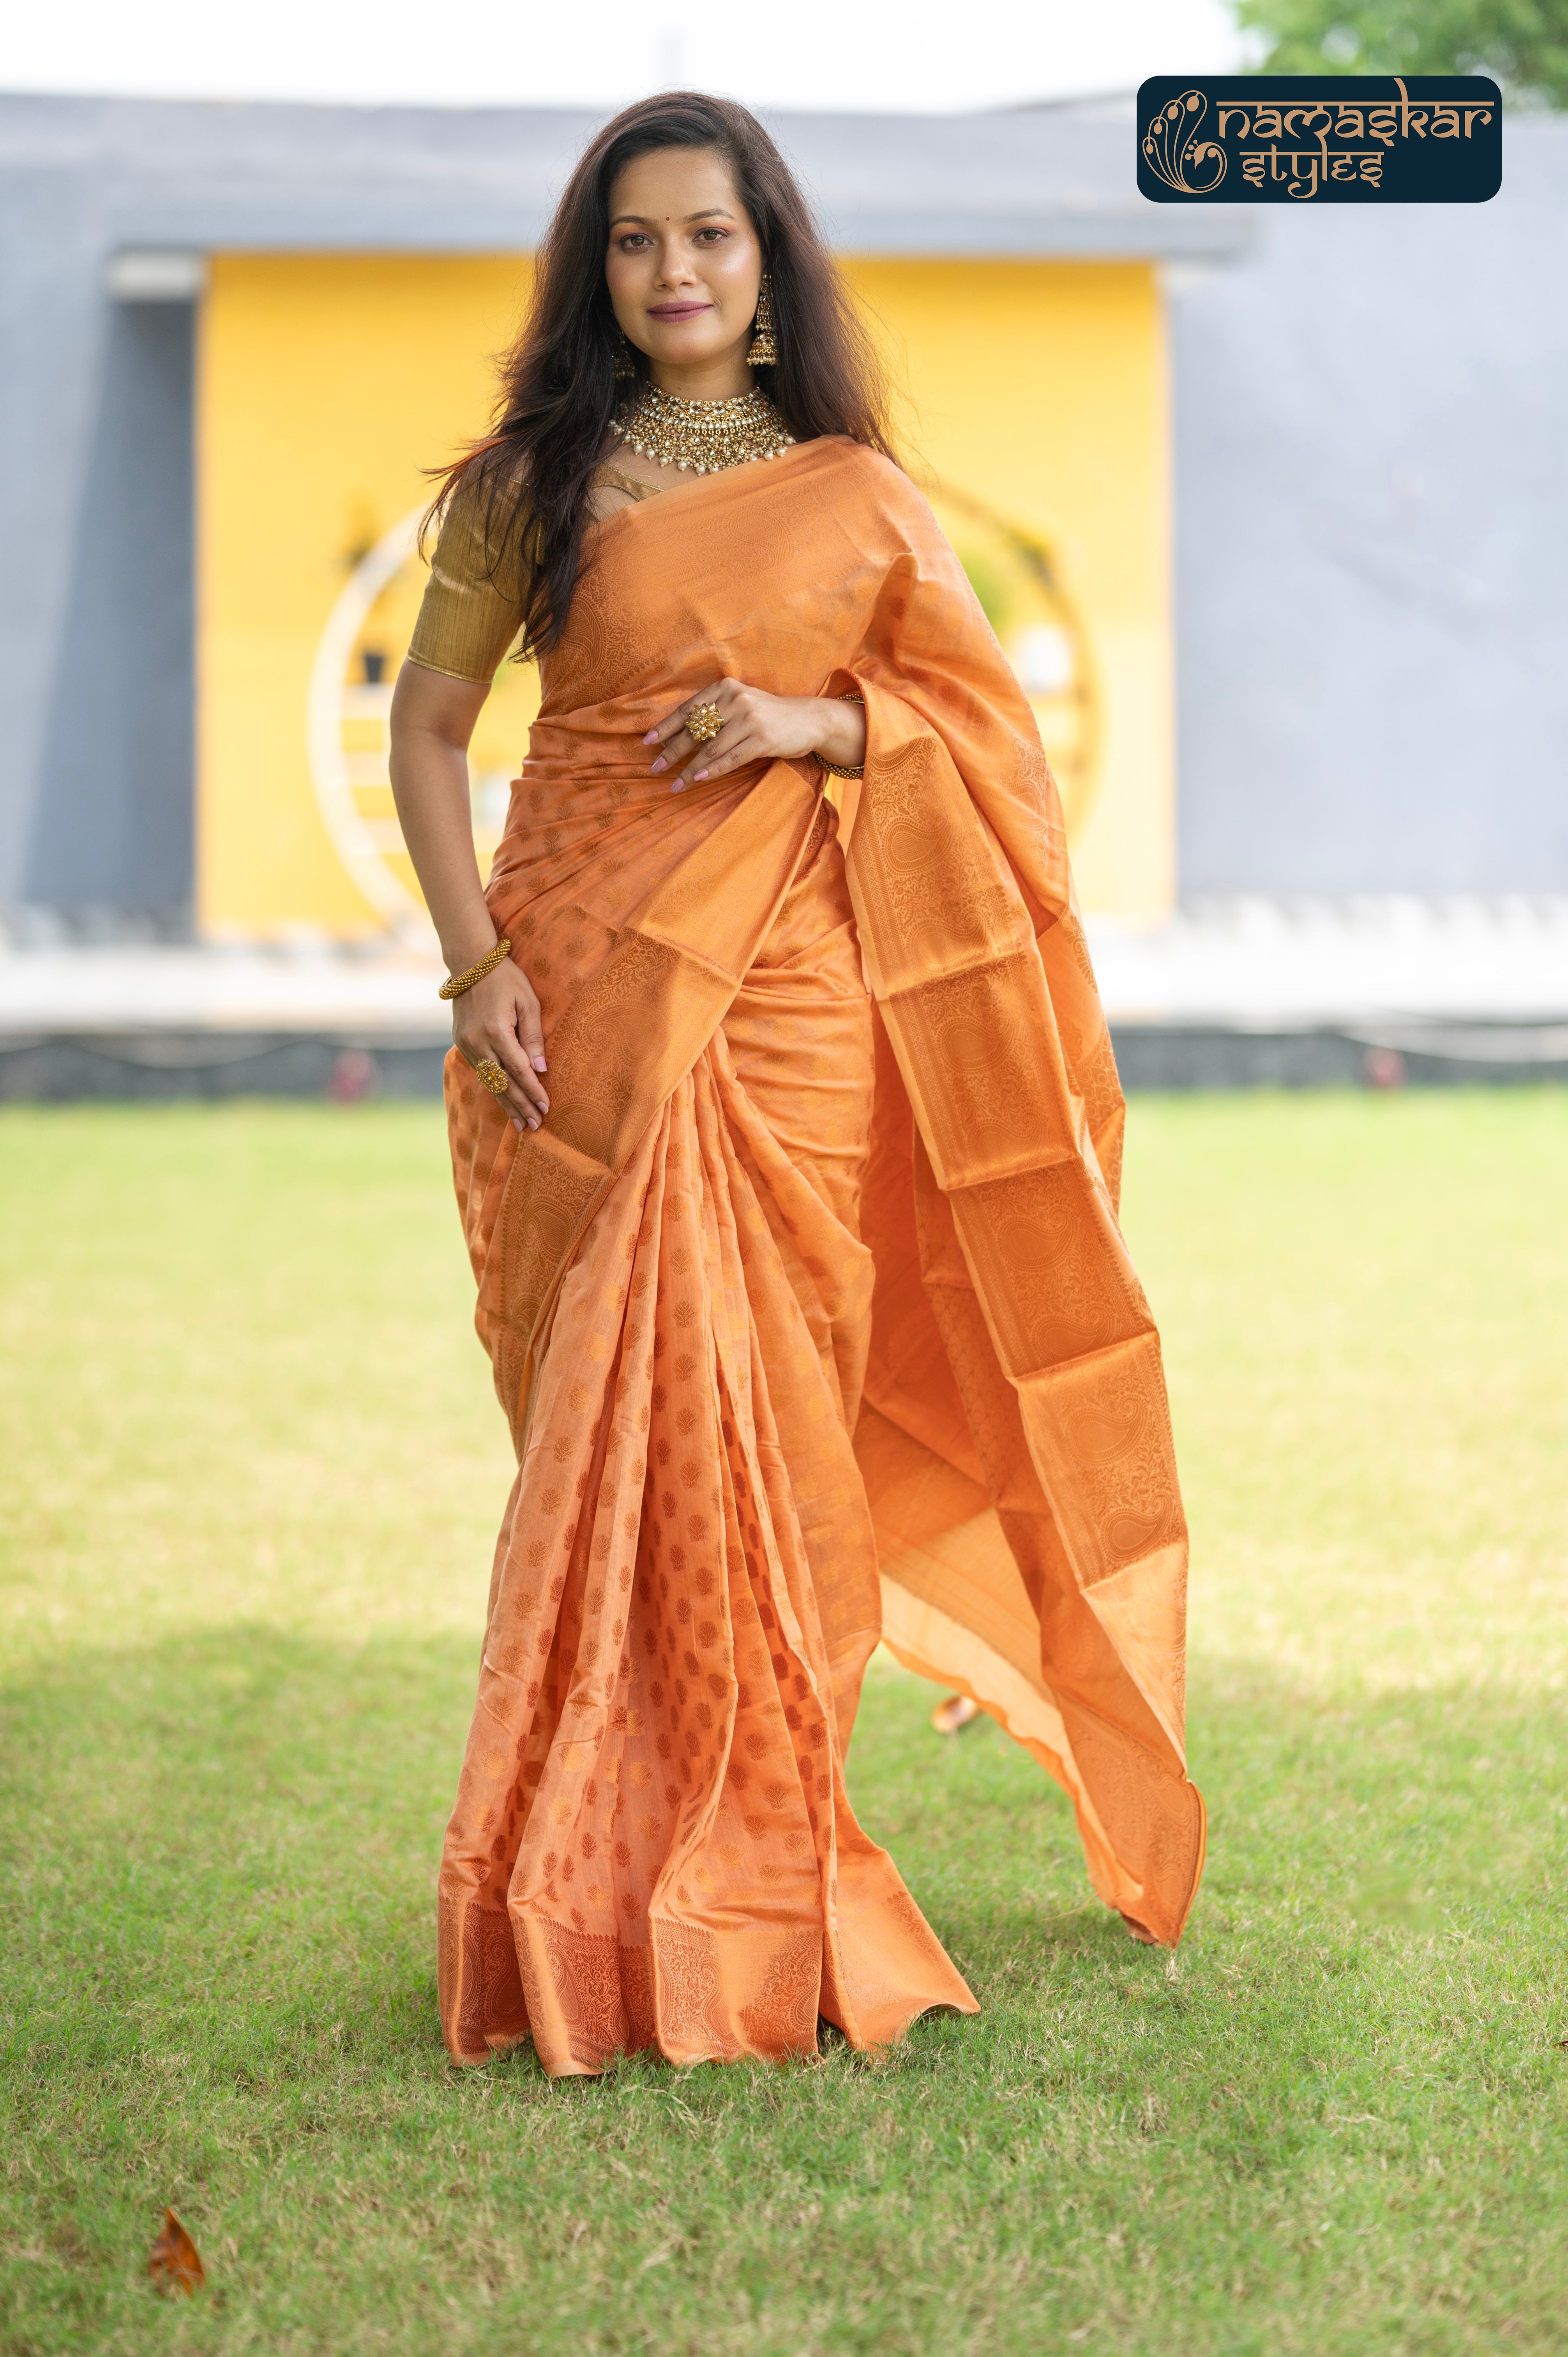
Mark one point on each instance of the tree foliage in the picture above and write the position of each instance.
(1522, 43)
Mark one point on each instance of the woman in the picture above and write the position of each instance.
(786, 1140)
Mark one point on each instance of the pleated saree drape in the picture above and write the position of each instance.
(807, 1303)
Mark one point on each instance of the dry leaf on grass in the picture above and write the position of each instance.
(176, 2263)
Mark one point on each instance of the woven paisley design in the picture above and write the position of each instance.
(807, 1307)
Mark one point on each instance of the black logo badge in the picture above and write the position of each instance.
(1341, 139)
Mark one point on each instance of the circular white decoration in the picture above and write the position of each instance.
(361, 842)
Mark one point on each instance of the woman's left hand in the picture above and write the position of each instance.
(757, 728)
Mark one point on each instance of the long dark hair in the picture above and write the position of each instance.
(533, 470)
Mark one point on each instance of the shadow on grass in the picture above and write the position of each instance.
(220, 1853)
(249, 1818)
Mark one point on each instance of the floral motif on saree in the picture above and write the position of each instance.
(807, 1305)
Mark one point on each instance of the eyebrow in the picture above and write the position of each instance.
(711, 212)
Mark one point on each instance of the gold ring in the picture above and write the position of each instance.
(493, 1076)
(704, 722)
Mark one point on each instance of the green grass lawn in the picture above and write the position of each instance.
(253, 1469)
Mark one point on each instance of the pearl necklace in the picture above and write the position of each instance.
(705, 436)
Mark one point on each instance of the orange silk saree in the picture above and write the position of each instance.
(807, 1303)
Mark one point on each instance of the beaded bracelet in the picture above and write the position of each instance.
(832, 768)
(457, 984)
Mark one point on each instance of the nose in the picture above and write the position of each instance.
(674, 268)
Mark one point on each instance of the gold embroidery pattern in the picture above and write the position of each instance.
(781, 2016)
(1058, 1286)
(691, 1996)
(656, 1717)
(674, 1287)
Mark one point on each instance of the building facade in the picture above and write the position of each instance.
(1266, 507)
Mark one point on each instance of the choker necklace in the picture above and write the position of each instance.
(704, 436)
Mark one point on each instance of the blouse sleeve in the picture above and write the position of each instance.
(472, 612)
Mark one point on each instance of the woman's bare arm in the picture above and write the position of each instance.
(432, 720)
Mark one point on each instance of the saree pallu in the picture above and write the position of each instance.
(807, 1304)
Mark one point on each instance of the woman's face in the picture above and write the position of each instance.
(683, 266)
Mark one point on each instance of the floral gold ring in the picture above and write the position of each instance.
(704, 722)
(493, 1076)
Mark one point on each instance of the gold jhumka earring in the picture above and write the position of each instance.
(626, 367)
(763, 351)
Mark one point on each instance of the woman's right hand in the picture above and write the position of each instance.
(432, 718)
(500, 1017)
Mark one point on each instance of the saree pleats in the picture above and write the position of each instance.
(653, 1845)
(807, 1305)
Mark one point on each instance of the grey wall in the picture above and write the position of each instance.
(1372, 545)
(113, 828)
(95, 759)
(1371, 503)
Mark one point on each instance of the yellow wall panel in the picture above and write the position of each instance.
(1040, 388)
(326, 383)
(1036, 391)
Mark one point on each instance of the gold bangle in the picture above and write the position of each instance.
(832, 768)
(457, 984)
